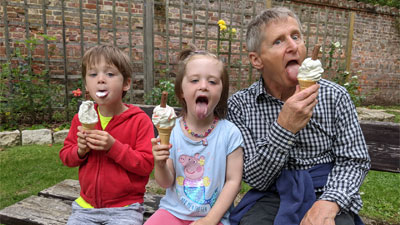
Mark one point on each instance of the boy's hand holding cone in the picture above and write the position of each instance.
(164, 119)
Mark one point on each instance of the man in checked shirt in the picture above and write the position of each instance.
(304, 152)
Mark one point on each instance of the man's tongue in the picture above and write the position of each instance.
(201, 109)
(292, 69)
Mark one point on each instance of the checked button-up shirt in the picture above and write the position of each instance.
(333, 135)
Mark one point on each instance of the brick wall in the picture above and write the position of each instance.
(375, 47)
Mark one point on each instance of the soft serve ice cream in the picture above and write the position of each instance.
(87, 115)
(310, 70)
(164, 119)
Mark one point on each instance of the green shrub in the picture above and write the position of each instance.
(344, 78)
(154, 97)
(26, 93)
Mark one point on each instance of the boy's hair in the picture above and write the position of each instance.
(255, 34)
(185, 56)
(112, 56)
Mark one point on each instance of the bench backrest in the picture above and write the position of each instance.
(383, 140)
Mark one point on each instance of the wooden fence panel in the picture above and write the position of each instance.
(197, 22)
(153, 33)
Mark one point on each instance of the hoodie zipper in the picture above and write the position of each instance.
(98, 196)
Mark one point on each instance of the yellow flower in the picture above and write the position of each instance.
(8, 113)
(222, 27)
(221, 22)
(233, 31)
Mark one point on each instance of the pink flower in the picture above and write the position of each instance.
(77, 92)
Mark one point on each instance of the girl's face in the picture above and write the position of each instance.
(202, 86)
(105, 83)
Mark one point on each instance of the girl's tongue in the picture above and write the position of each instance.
(292, 69)
(201, 109)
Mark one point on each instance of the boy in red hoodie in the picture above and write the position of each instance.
(115, 159)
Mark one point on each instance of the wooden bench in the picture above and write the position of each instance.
(53, 206)
(383, 141)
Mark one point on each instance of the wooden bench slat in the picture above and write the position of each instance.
(383, 141)
(53, 206)
(66, 190)
(36, 210)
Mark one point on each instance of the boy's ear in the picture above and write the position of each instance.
(255, 60)
(127, 84)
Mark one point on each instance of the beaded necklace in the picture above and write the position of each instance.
(200, 135)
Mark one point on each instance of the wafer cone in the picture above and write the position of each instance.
(88, 126)
(306, 83)
(164, 134)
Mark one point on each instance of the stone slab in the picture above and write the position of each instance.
(37, 137)
(59, 136)
(374, 114)
(10, 138)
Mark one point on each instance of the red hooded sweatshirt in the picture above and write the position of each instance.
(118, 177)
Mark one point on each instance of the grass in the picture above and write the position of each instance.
(380, 193)
(26, 170)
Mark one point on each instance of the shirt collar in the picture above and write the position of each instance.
(258, 88)
(260, 91)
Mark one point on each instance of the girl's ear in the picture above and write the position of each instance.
(255, 60)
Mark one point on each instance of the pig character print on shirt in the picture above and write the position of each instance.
(194, 184)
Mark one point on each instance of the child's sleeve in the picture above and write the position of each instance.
(235, 139)
(69, 152)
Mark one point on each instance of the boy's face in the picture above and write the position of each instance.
(105, 83)
(202, 86)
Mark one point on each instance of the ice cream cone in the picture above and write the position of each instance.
(164, 134)
(89, 126)
(306, 83)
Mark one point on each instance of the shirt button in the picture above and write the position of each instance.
(290, 142)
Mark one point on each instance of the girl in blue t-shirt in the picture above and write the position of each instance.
(202, 167)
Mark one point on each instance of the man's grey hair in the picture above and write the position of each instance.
(255, 34)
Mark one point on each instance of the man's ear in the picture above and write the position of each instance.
(127, 84)
(255, 60)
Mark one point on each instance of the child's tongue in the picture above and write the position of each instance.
(292, 69)
(201, 109)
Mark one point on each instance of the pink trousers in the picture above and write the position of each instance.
(163, 217)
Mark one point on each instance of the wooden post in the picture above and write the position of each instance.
(350, 41)
(65, 62)
(148, 46)
(268, 4)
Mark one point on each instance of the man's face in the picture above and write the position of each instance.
(281, 53)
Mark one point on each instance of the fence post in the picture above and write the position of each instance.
(268, 4)
(350, 41)
(64, 44)
(148, 78)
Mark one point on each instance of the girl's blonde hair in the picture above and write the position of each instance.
(185, 56)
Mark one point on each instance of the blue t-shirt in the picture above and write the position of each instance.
(200, 171)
